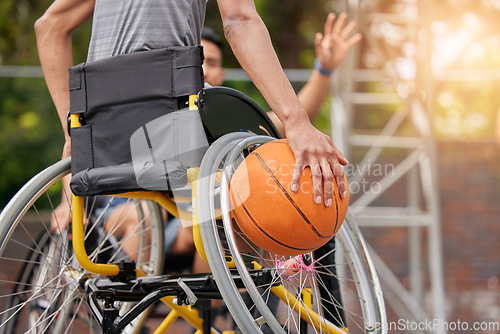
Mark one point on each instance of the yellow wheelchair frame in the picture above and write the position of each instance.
(304, 310)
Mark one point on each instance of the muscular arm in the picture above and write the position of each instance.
(53, 33)
(250, 42)
(53, 36)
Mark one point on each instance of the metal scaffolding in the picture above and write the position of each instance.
(390, 72)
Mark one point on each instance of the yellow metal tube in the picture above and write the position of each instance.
(307, 297)
(79, 243)
(161, 198)
(186, 312)
(78, 234)
(167, 322)
(305, 312)
(192, 174)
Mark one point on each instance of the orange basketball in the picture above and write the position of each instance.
(270, 214)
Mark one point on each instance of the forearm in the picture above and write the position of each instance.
(54, 50)
(314, 93)
(252, 46)
(53, 32)
(311, 97)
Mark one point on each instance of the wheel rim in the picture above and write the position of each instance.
(52, 298)
(365, 318)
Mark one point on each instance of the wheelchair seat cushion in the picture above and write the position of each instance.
(118, 179)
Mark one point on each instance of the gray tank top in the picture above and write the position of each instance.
(124, 26)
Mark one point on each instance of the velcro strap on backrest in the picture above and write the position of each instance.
(145, 75)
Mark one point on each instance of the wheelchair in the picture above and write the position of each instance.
(82, 281)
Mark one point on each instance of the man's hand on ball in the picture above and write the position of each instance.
(315, 150)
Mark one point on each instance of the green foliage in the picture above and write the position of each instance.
(30, 133)
(18, 46)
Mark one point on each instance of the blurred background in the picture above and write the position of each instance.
(414, 107)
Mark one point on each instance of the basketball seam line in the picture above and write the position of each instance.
(336, 199)
(334, 195)
(283, 190)
(263, 231)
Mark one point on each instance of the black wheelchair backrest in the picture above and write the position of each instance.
(224, 110)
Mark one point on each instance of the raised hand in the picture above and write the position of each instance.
(332, 46)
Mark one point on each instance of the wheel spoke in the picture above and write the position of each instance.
(348, 309)
(46, 295)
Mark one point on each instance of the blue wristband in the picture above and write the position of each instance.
(321, 70)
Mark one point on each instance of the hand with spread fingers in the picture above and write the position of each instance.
(315, 150)
(332, 46)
